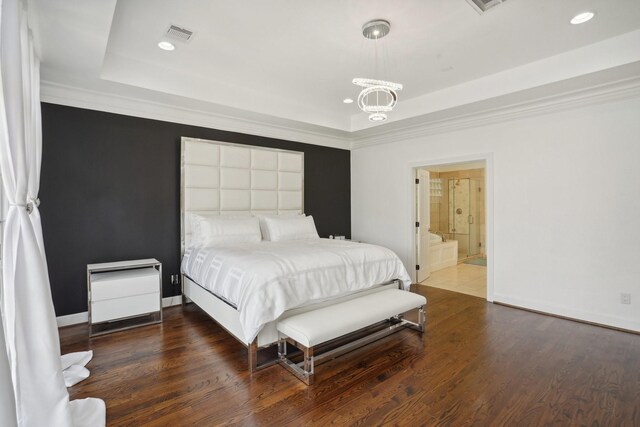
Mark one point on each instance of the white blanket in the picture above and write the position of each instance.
(265, 279)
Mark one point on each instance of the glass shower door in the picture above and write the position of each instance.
(463, 221)
(459, 214)
(475, 194)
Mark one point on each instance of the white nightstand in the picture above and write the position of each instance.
(123, 295)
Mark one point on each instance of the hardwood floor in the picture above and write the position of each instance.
(477, 364)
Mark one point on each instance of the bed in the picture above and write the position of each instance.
(247, 287)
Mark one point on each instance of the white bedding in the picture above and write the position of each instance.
(265, 279)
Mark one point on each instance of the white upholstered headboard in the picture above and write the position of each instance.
(232, 179)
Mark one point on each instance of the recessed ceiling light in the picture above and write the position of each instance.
(581, 18)
(166, 46)
(347, 100)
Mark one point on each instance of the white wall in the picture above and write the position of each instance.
(566, 187)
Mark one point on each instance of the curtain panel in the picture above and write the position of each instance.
(28, 318)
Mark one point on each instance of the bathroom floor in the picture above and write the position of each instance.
(464, 278)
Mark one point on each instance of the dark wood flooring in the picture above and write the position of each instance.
(477, 364)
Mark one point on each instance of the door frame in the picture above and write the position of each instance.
(418, 196)
(488, 194)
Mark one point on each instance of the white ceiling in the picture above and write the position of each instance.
(293, 61)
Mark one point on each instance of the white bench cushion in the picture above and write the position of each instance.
(322, 325)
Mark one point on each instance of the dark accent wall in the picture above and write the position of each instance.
(110, 191)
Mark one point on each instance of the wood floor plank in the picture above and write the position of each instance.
(477, 364)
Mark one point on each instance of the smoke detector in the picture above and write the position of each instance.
(481, 6)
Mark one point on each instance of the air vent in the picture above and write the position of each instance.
(181, 34)
(482, 6)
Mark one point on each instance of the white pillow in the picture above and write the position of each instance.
(209, 230)
(290, 228)
(263, 225)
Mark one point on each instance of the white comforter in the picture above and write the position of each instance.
(265, 279)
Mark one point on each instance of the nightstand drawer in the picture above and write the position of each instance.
(123, 283)
(125, 307)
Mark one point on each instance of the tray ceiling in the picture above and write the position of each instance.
(294, 61)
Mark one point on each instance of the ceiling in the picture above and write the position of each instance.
(293, 61)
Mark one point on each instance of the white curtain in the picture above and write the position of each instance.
(28, 319)
(7, 401)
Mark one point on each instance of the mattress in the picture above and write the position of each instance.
(263, 280)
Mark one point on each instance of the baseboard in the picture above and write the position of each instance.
(597, 319)
(72, 319)
(171, 301)
(83, 317)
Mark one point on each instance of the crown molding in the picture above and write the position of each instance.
(452, 121)
(480, 114)
(56, 93)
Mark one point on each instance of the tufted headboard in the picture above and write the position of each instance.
(232, 179)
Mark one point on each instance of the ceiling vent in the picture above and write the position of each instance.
(177, 33)
(482, 6)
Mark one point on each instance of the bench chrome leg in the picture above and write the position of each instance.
(308, 363)
(282, 348)
(418, 326)
(303, 370)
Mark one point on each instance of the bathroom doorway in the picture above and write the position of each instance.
(451, 247)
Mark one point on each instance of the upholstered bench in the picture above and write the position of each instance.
(308, 330)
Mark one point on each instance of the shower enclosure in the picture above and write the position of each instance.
(465, 206)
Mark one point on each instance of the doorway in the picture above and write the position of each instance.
(451, 227)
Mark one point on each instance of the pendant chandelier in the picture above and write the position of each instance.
(378, 97)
